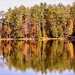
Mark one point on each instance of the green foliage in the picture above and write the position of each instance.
(49, 20)
(54, 31)
(39, 32)
(60, 32)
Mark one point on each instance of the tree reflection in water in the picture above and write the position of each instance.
(40, 56)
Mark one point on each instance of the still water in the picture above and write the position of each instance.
(37, 57)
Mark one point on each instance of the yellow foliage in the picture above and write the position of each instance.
(70, 26)
(7, 48)
(7, 29)
(71, 50)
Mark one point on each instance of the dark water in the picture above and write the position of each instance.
(37, 58)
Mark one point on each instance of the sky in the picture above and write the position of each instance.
(6, 4)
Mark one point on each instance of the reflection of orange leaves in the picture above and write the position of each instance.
(7, 48)
(24, 49)
(71, 50)
(33, 47)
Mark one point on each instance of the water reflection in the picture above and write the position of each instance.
(45, 57)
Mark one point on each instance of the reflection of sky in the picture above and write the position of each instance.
(6, 71)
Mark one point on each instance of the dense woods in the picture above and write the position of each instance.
(39, 21)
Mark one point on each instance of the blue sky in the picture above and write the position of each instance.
(5, 4)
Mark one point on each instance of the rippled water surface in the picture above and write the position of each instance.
(37, 57)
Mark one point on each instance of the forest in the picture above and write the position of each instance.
(53, 21)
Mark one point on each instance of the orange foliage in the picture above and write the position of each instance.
(32, 30)
(71, 50)
(33, 47)
(24, 27)
(24, 49)
(7, 47)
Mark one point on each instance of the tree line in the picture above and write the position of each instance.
(40, 21)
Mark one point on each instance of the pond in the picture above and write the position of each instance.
(37, 57)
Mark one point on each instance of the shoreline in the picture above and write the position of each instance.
(40, 39)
